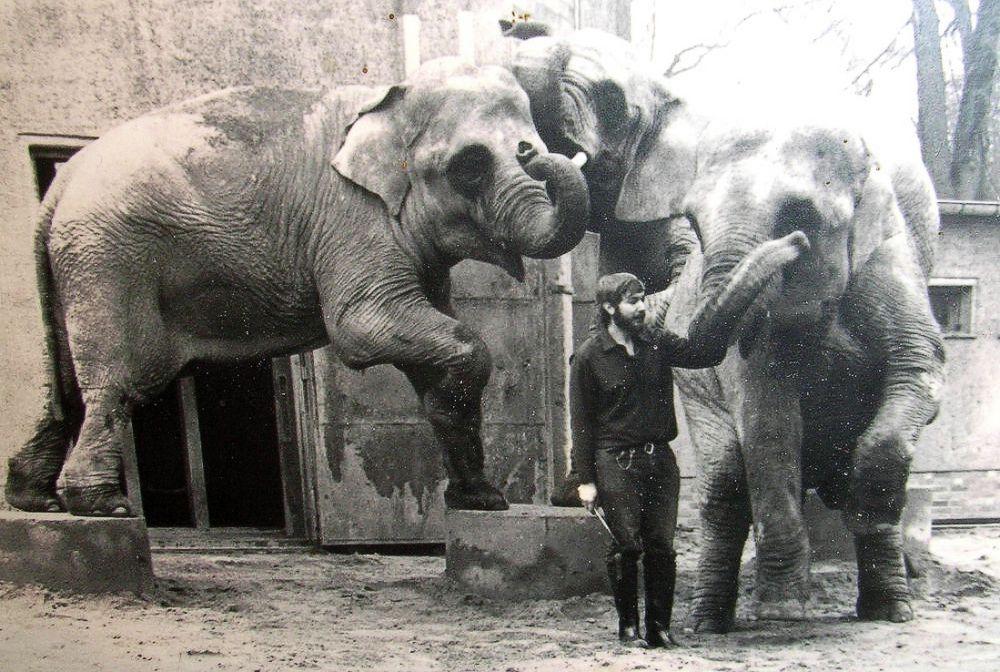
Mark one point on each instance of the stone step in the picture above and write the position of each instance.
(527, 552)
(226, 540)
(73, 553)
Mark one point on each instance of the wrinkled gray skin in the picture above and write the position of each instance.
(838, 365)
(217, 230)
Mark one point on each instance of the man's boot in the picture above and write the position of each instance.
(623, 571)
(660, 576)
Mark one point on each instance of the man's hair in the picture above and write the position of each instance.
(614, 287)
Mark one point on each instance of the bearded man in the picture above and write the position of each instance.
(622, 413)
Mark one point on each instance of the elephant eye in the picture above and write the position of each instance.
(610, 104)
(468, 168)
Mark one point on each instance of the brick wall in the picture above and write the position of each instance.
(962, 495)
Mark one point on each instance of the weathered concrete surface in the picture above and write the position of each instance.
(83, 555)
(528, 552)
(830, 540)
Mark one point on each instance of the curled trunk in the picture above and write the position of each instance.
(554, 222)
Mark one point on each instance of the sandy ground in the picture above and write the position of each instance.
(324, 611)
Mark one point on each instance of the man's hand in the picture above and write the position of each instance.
(588, 495)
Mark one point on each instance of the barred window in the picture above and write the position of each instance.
(951, 301)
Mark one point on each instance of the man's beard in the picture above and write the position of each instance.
(632, 326)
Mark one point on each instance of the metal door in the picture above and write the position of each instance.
(379, 474)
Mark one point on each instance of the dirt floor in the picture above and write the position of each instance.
(324, 611)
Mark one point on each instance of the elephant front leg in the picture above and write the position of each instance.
(448, 366)
(770, 437)
(452, 401)
(724, 506)
(883, 590)
(889, 308)
(725, 523)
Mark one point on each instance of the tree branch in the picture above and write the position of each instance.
(889, 50)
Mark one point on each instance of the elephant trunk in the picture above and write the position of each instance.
(733, 277)
(538, 67)
(553, 223)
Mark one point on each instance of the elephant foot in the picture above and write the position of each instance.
(790, 609)
(883, 590)
(630, 639)
(475, 496)
(883, 609)
(714, 623)
(712, 626)
(95, 500)
(30, 494)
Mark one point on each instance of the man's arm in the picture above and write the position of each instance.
(583, 415)
(714, 323)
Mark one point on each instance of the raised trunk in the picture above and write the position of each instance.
(732, 279)
(555, 225)
(538, 66)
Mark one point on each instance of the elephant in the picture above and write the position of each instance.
(260, 221)
(836, 368)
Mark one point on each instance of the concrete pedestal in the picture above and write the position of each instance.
(82, 555)
(830, 540)
(528, 552)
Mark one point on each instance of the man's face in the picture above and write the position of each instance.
(630, 313)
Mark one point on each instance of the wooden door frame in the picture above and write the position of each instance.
(294, 419)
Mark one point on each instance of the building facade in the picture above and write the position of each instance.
(302, 443)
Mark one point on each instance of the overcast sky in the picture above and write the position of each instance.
(768, 53)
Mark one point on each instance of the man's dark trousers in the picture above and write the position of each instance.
(638, 489)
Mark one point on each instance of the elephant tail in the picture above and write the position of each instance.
(62, 390)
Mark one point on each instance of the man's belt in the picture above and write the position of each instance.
(649, 447)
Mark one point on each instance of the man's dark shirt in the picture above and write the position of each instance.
(618, 401)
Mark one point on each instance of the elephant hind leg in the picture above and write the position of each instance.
(32, 472)
(120, 364)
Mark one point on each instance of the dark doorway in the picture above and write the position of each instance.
(158, 428)
(240, 446)
(240, 470)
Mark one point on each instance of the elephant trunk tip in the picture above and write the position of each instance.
(525, 152)
(565, 216)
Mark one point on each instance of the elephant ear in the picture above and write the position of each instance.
(655, 186)
(375, 151)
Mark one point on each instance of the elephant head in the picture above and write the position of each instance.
(754, 183)
(455, 157)
(590, 93)
(653, 157)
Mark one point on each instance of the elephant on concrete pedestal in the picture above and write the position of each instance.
(217, 230)
(839, 364)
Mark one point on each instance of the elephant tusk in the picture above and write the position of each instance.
(579, 160)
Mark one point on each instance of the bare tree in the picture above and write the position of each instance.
(970, 156)
(960, 167)
(932, 112)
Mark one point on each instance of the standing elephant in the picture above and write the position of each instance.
(838, 365)
(217, 230)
